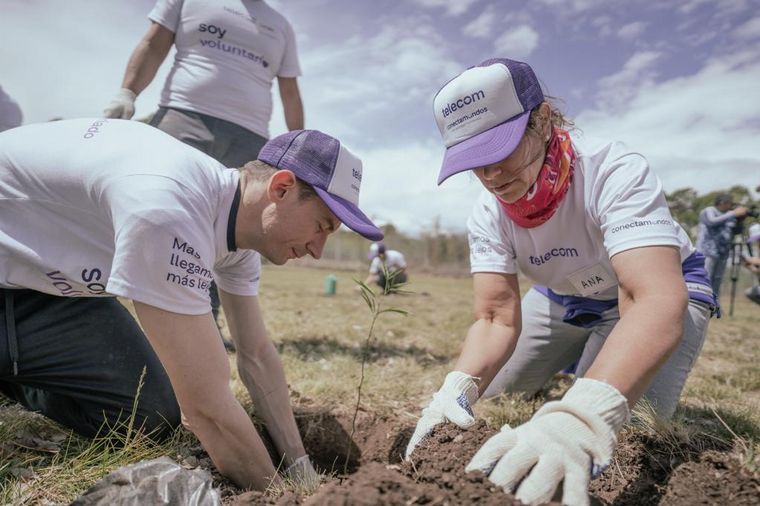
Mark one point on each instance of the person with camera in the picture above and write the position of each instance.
(714, 236)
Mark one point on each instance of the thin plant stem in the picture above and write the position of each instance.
(374, 306)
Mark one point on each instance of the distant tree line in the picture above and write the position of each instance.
(437, 250)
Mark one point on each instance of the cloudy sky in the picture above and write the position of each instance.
(677, 80)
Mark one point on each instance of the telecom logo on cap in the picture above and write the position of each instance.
(476, 100)
(347, 176)
(466, 100)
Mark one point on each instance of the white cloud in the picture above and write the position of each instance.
(603, 25)
(482, 26)
(617, 89)
(373, 83)
(749, 30)
(70, 75)
(452, 7)
(518, 42)
(699, 130)
(722, 7)
(399, 185)
(577, 6)
(631, 31)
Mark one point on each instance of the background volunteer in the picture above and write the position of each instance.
(386, 260)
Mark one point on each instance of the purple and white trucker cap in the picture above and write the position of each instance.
(482, 113)
(326, 165)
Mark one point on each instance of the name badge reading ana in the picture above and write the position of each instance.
(592, 280)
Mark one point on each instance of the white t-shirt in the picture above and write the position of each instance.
(96, 207)
(394, 261)
(615, 203)
(228, 53)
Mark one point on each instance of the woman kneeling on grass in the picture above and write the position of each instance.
(619, 288)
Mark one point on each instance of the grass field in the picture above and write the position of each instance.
(321, 341)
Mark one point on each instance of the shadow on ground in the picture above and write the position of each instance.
(316, 348)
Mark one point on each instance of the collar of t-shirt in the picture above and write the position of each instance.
(229, 203)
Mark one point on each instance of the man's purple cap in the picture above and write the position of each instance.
(327, 166)
(482, 113)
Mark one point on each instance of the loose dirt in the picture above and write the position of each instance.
(646, 471)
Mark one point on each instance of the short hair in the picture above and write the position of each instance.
(723, 198)
(262, 171)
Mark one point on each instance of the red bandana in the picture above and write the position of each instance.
(554, 178)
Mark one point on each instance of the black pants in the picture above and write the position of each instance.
(396, 278)
(78, 361)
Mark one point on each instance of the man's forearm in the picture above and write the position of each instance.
(291, 102)
(233, 444)
(294, 117)
(147, 57)
(264, 378)
(142, 67)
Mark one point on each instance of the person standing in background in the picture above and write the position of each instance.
(714, 234)
(10, 112)
(217, 96)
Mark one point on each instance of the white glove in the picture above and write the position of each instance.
(302, 472)
(452, 402)
(122, 105)
(568, 440)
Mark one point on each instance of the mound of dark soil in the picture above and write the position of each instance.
(441, 459)
(716, 478)
(646, 470)
(378, 484)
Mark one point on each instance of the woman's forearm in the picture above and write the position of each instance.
(649, 330)
(486, 349)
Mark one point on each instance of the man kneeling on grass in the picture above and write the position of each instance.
(92, 209)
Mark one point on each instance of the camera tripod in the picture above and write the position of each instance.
(738, 245)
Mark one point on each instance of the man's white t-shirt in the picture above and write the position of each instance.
(96, 207)
(615, 203)
(228, 53)
(394, 260)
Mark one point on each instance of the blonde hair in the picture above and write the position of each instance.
(556, 117)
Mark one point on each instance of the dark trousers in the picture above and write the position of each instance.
(79, 361)
(226, 142)
(396, 278)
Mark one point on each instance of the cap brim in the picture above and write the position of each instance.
(487, 147)
(350, 215)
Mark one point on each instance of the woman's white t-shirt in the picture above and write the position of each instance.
(615, 203)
